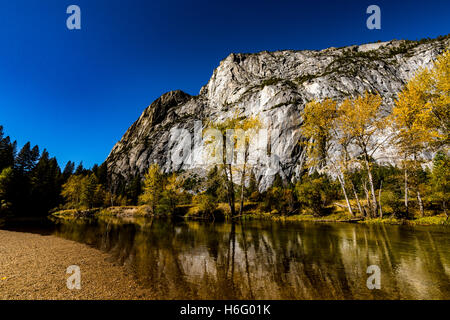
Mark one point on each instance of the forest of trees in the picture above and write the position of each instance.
(342, 140)
(33, 184)
(29, 180)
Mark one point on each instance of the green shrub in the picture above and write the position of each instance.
(206, 204)
(279, 200)
(391, 203)
(315, 194)
(270, 82)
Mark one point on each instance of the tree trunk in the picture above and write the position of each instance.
(243, 180)
(379, 199)
(369, 206)
(351, 182)
(372, 187)
(419, 199)
(231, 192)
(341, 180)
(357, 199)
(406, 191)
(444, 206)
(242, 192)
(228, 179)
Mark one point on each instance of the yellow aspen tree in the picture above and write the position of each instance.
(243, 130)
(439, 87)
(246, 130)
(346, 159)
(317, 127)
(412, 119)
(318, 119)
(172, 192)
(421, 116)
(360, 120)
(153, 187)
(72, 191)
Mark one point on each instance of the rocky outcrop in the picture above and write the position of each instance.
(274, 86)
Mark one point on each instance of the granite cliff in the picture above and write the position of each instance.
(274, 86)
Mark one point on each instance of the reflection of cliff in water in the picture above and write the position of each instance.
(261, 260)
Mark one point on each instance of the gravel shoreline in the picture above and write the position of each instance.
(33, 267)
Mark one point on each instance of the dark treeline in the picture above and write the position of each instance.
(31, 181)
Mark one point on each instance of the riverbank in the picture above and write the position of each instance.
(186, 211)
(33, 267)
(417, 221)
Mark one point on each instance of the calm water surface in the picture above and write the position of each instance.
(271, 260)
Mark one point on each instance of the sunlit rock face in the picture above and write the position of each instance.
(273, 86)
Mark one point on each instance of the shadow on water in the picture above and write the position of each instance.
(270, 260)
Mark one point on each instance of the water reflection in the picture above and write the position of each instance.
(264, 260)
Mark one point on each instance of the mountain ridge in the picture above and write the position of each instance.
(274, 86)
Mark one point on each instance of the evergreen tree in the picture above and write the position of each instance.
(252, 190)
(134, 189)
(31, 183)
(6, 178)
(90, 191)
(102, 174)
(213, 182)
(45, 184)
(68, 170)
(80, 169)
(7, 151)
(27, 158)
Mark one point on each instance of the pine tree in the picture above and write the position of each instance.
(90, 192)
(68, 170)
(134, 189)
(7, 151)
(102, 174)
(6, 178)
(252, 185)
(80, 169)
(27, 158)
(45, 184)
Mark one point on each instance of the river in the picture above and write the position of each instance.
(269, 260)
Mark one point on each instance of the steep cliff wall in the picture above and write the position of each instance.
(274, 86)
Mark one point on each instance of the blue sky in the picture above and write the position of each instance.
(76, 92)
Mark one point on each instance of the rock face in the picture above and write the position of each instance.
(273, 86)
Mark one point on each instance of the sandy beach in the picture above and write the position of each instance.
(33, 267)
